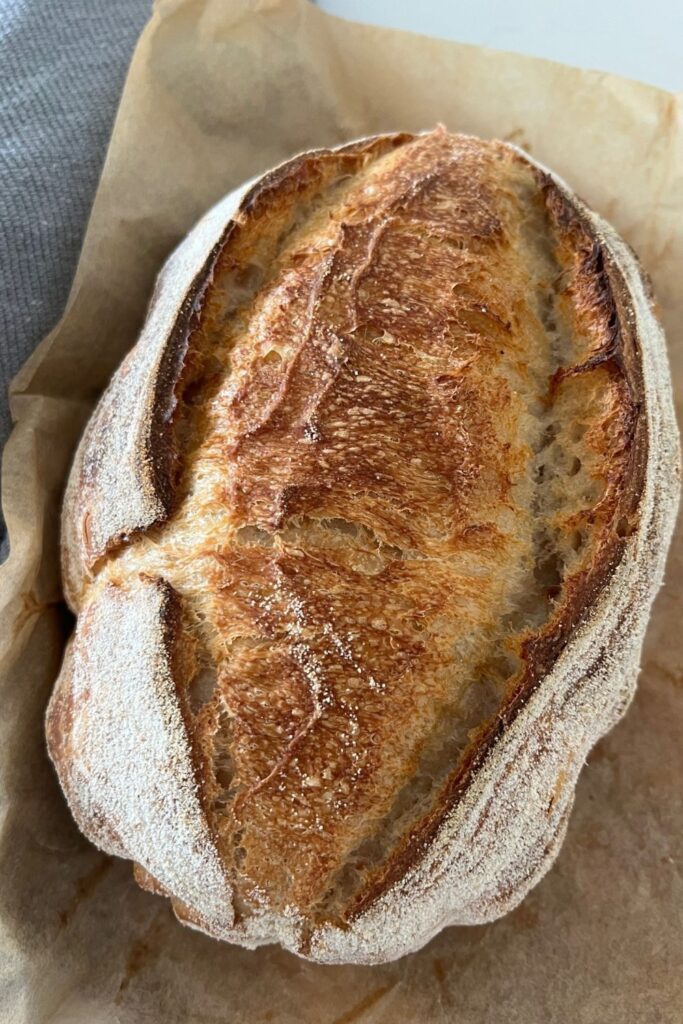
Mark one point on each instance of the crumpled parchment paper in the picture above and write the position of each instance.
(218, 92)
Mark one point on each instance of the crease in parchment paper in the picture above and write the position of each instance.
(216, 94)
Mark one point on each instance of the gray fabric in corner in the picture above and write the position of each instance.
(62, 68)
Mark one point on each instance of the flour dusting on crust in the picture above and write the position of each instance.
(115, 723)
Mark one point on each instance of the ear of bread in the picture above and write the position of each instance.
(126, 468)
(379, 503)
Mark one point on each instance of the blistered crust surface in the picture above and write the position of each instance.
(360, 502)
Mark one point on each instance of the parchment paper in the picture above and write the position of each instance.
(218, 92)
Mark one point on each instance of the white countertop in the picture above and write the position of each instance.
(640, 39)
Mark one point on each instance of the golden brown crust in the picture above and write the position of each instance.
(331, 418)
(393, 445)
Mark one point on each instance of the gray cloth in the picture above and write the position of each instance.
(62, 68)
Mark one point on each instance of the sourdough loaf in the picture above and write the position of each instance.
(362, 540)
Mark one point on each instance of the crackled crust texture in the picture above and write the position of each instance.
(362, 541)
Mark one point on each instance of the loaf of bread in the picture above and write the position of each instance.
(362, 541)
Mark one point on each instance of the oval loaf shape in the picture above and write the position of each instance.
(362, 540)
